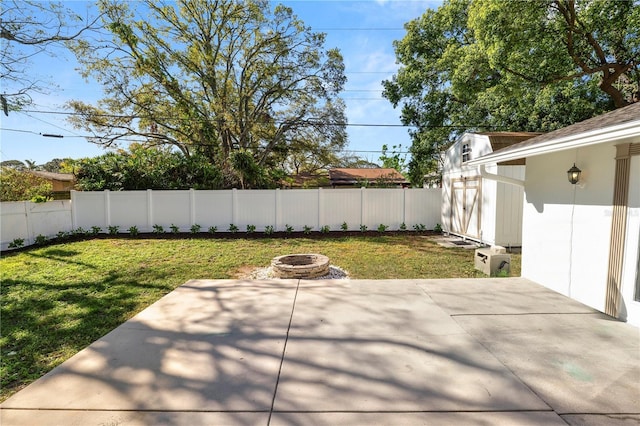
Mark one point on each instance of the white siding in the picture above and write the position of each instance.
(501, 204)
(566, 233)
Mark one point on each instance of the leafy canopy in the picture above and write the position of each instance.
(243, 84)
(487, 65)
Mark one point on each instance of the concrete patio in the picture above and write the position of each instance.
(359, 352)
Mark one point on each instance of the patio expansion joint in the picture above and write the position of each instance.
(513, 314)
(284, 350)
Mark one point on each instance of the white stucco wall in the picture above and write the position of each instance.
(631, 264)
(566, 228)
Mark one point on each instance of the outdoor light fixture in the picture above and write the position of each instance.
(574, 174)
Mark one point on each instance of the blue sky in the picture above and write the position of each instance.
(363, 31)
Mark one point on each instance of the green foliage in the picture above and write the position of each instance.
(16, 243)
(39, 199)
(233, 228)
(490, 65)
(174, 229)
(394, 159)
(40, 239)
(382, 228)
(113, 229)
(61, 235)
(344, 226)
(325, 229)
(80, 231)
(437, 228)
(16, 185)
(403, 226)
(307, 229)
(268, 229)
(212, 229)
(288, 229)
(95, 230)
(251, 229)
(158, 229)
(133, 231)
(146, 168)
(244, 84)
(419, 227)
(363, 228)
(195, 228)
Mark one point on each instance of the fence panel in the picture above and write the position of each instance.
(383, 206)
(213, 208)
(299, 209)
(26, 220)
(423, 207)
(342, 206)
(126, 209)
(255, 207)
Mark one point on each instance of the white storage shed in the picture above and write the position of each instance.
(475, 205)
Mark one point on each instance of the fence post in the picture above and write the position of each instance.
(320, 208)
(27, 212)
(192, 206)
(234, 206)
(149, 209)
(278, 207)
(404, 205)
(107, 207)
(74, 210)
(362, 209)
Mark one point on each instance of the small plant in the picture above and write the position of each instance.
(363, 228)
(419, 227)
(133, 231)
(307, 229)
(344, 226)
(288, 229)
(18, 242)
(113, 230)
(251, 229)
(212, 229)
(158, 229)
(195, 228)
(382, 228)
(40, 239)
(403, 226)
(174, 229)
(80, 231)
(233, 228)
(268, 229)
(95, 230)
(61, 235)
(437, 228)
(325, 229)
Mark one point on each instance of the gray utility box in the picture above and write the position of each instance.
(493, 261)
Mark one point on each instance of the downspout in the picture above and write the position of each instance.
(504, 179)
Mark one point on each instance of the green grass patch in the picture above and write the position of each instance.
(56, 300)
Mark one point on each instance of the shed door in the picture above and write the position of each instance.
(466, 195)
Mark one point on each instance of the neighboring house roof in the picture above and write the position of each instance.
(63, 177)
(619, 124)
(354, 176)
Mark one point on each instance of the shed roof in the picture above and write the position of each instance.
(615, 125)
(351, 176)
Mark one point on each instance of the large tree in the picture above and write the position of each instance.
(240, 82)
(478, 65)
(27, 29)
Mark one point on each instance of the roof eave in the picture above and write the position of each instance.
(606, 134)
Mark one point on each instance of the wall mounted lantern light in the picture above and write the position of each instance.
(574, 174)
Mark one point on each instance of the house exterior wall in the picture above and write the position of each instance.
(500, 204)
(566, 232)
(631, 265)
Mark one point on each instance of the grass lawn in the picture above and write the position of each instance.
(56, 300)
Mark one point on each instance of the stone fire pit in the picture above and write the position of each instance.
(300, 266)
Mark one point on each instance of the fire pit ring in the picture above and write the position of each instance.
(309, 265)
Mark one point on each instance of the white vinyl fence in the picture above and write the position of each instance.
(297, 208)
(26, 220)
